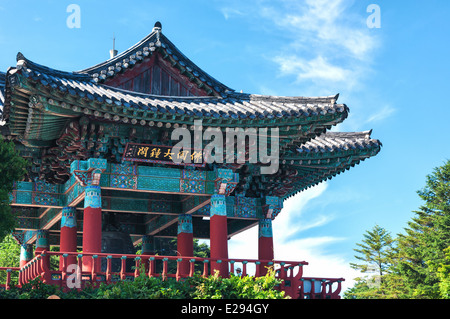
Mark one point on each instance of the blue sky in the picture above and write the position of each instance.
(394, 79)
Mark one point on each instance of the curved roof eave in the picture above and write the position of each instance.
(145, 48)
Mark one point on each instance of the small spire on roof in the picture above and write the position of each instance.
(113, 52)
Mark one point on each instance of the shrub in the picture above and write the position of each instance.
(197, 287)
(236, 287)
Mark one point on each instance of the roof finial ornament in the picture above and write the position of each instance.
(113, 52)
(157, 28)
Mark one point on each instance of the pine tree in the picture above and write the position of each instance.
(421, 249)
(376, 253)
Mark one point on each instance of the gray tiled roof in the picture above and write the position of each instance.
(330, 142)
(144, 49)
(232, 105)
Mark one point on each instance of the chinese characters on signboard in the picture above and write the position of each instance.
(162, 154)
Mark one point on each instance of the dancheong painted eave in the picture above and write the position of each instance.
(43, 106)
(81, 93)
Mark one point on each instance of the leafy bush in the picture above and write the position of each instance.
(197, 287)
(35, 289)
(236, 287)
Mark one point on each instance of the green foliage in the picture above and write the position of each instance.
(12, 168)
(421, 249)
(444, 276)
(212, 287)
(419, 265)
(376, 252)
(9, 257)
(144, 288)
(235, 287)
(35, 289)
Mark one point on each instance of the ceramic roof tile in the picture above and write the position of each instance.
(145, 48)
(336, 141)
(233, 105)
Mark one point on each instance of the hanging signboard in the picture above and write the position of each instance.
(162, 154)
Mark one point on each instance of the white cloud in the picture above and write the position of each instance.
(316, 69)
(323, 25)
(327, 43)
(230, 12)
(381, 114)
(286, 247)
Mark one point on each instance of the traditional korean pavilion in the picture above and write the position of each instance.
(96, 140)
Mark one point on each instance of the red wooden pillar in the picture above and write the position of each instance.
(92, 225)
(219, 235)
(265, 244)
(42, 244)
(68, 237)
(26, 254)
(41, 241)
(185, 242)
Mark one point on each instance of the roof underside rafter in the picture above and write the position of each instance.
(76, 115)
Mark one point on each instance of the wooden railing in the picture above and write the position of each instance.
(320, 288)
(7, 284)
(73, 277)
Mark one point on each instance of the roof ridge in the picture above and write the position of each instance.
(364, 134)
(327, 99)
(156, 40)
(118, 57)
(22, 62)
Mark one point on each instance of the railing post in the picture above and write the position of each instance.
(178, 273)
(31, 270)
(335, 294)
(137, 265)
(64, 270)
(20, 277)
(8, 279)
(123, 266)
(300, 271)
(164, 271)
(45, 262)
(244, 268)
(37, 267)
(313, 289)
(94, 268)
(205, 268)
(25, 273)
(302, 288)
(282, 271)
(232, 266)
(258, 269)
(191, 267)
(79, 271)
(108, 269)
(151, 267)
(324, 289)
